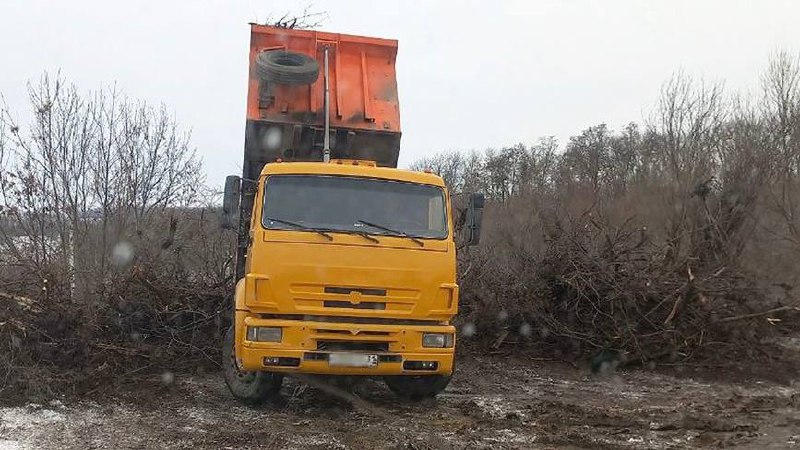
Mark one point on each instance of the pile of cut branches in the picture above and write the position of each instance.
(595, 287)
(155, 325)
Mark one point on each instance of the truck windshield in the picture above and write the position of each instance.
(350, 204)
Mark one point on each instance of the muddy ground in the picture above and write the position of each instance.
(494, 402)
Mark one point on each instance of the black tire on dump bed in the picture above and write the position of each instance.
(417, 387)
(285, 67)
(251, 388)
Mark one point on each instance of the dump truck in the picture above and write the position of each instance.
(345, 265)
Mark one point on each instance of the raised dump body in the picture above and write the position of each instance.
(287, 121)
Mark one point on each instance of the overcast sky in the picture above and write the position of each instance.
(471, 74)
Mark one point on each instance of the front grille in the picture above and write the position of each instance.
(362, 305)
(347, 290)
(353, 346)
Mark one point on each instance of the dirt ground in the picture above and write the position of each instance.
(494, 402)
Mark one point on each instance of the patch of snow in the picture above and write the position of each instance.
(317, 440)
(492, 406)
(20, 424)
(31, 416)
(507, 436)
(6, 444)
(196, 415)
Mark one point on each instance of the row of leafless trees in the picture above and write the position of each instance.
(699, 139)
(90, 170)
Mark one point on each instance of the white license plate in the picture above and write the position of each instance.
(352, 360)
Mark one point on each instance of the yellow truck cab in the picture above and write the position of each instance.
(351, 270)
(345, 265)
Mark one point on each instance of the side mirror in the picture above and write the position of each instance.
(230, 202)
(474, 218)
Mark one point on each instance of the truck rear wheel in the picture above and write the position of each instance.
(417, 387)
(251, 388)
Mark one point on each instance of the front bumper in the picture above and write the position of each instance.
(303, 348)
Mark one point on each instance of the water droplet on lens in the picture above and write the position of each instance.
(272, 138)
(468, 330)
(122, 254)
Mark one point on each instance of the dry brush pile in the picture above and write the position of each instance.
(590, 285)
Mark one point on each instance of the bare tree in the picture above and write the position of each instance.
(540, 165)
(781, 106)
(588, 156)
(781, 112)
(448, 165)
(89, 169)
(688, 120)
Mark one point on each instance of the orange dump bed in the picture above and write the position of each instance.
(287, 121)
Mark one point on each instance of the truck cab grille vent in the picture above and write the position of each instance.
(348, 305)
(347, 290)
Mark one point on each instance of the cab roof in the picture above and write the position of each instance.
(350, 168)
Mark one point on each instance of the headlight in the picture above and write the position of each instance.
(437, 340)
(264, 334)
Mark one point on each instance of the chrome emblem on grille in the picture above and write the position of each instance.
(355, 297)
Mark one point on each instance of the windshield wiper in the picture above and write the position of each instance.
(301, 226)
(366, 236)
(392, 230)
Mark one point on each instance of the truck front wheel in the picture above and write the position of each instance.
(251, 388)
(417, 387)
